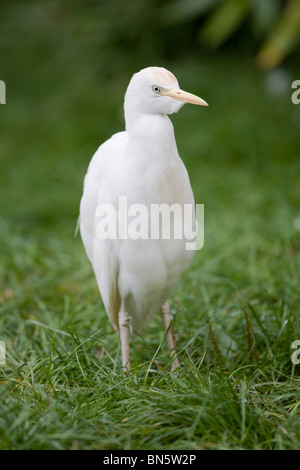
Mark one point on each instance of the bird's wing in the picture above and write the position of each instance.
(102, 253)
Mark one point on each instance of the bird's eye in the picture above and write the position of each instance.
(156, 89)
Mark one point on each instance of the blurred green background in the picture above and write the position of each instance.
(66, 65)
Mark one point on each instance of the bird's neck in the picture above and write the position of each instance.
(155, 129)
(152, 137)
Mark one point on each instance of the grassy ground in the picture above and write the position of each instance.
(237, 306)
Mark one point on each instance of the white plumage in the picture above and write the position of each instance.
(136, 276)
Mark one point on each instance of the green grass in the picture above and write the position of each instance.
(237, 307)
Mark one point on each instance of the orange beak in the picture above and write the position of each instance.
(184, 96)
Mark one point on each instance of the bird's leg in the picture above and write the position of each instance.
(124, 335)
(165, 309)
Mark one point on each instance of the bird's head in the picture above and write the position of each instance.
(155, 90)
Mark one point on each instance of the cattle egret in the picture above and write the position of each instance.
(136, 274)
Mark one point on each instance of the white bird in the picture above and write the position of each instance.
(136, 275)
